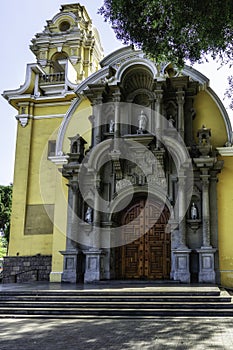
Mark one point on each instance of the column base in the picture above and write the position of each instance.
(55, 277)
(206, 265)
(94, 265)
(180, 268)
(72, 266)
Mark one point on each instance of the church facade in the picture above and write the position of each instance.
(123, 166)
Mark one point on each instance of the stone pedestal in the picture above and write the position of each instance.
(180, 269)
(72, 271)
(206, 265)
(94, 265)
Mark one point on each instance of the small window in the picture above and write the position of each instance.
(51, 148)
(64, 26)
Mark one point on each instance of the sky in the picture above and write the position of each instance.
(20, 20)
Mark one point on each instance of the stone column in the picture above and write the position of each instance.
(97, 103)
(96, 216)
(180, 265)
(206, 253)
(214, 213)
(92, 121)
(182, 207)
(180, 100)
(205, 209)
(116, 100)
(94, 256)
(72, 255)
(157, 128)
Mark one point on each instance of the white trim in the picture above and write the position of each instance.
(12, 94)
(63, 15)
(226, 271)
(196, 76)
(225, 151)
(92, 79)
(53, 116)
(58, 160)
(60, 103)
(33, 98)
(119, 54)
(133, 62)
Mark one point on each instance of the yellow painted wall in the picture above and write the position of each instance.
(46, 110)
(79, 124)
(19, 243)
(225, 227)
(42, 172)
(59, 230)
(208, 114)
(34, 183)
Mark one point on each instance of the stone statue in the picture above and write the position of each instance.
(194, 215)
(88, 215)
(111, 126)
(171, 121)
(142, 122)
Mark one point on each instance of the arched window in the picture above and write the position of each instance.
(58, 62)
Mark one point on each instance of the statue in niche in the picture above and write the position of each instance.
(88, 215)
(111, 126)
(204, 135)
(74, 148)
(142, 122)
(171, 121)
(194, 213)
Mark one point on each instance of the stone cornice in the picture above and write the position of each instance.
(59, 160)
(225, 151)
(31, 68)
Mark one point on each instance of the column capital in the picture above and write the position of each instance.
(205, 178)
(97, 100)
(74, 185)
(92, 119)
(158, 96)
(180, 97)
(116, 96)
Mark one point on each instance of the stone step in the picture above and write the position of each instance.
(116, 299)
(115, 312)
(126, 303)
(154, 292)
(110, 305)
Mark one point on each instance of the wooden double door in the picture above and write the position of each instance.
(148, 253)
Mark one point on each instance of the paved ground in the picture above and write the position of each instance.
(115, 334)
(101, 334)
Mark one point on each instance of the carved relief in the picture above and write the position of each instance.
(122, 184)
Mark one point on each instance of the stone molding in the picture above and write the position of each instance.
(225, 151)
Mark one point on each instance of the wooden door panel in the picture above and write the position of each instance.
(131, 261)
(149, 255)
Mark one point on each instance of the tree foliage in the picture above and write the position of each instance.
(5, 209)
(3, 247)
(174, 30)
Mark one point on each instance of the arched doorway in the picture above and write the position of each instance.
(148, 256)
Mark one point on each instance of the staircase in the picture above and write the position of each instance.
(168, 301)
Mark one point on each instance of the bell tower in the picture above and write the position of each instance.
(69, 44)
